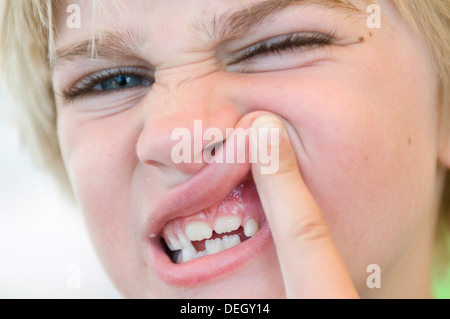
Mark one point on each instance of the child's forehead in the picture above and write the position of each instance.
(241, 16)
(111, 22)
(218, 16)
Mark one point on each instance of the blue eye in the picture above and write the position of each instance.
(120, 82)
(109, 81)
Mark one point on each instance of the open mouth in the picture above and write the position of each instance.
(213, 241)
(211, 225)
(221, 226)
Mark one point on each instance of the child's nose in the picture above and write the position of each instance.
(178, 123)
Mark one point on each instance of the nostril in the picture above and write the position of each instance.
(210, 150)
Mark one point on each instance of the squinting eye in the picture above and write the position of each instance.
(121, 81)
(282, 45)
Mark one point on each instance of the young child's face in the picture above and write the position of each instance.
(360, 105)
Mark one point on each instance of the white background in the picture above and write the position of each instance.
(44, 248)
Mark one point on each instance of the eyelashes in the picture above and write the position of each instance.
(114, 80)
(108, 81)
(295, 42)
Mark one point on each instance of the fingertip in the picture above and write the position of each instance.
(271, 134)
(267, 121)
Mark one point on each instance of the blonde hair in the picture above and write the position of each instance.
(26, 39)
(27, 43)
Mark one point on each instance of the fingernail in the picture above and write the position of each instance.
(267, 123)
(267, 139)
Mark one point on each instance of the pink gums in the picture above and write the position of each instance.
(243, 201)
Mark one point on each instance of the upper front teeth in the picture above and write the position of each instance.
(182, 241)
(226, 224)
(198, 231)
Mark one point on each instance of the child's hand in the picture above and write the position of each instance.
(310, 263)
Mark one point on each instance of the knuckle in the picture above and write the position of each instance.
(287, 160)
(287, 166)
(309, 230)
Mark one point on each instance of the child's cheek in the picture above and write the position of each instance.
(100, 159)
(373, 187)
(364, 189)
(365, 151)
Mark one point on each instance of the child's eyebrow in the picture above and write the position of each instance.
(236, 23)
(129, 42)
(108, 44)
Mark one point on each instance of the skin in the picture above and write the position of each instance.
(360, 168)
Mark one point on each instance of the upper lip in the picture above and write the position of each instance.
(209, 186)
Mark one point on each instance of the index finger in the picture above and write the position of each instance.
(310, 262)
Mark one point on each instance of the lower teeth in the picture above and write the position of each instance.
(212, 246)
(181, 249)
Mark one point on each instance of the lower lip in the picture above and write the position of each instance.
(204, 269)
